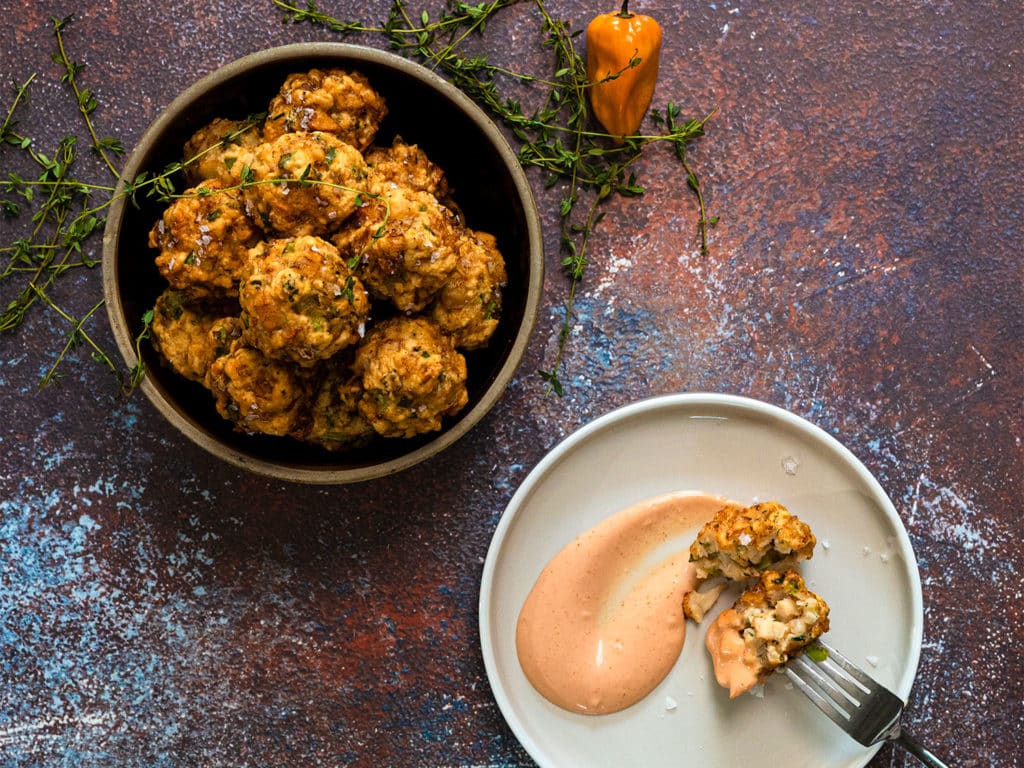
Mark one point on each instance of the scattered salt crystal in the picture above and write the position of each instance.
(757, 691)
(872, 660)
(670, 703)
(790, 464)
(826, 544)
(884, 557)
(745, 539)
(866, 551)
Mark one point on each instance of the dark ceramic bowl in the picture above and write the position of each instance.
(488, 184)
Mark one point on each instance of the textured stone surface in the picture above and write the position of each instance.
(160, 609)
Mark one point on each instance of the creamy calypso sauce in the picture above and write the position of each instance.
(602, 627)
(724, 642)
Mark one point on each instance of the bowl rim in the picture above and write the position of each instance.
(354, 53)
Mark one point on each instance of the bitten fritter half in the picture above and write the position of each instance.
(741, 542)
(769, 623)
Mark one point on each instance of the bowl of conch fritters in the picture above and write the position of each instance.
(328, 260)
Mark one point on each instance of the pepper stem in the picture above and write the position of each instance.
(624, 12)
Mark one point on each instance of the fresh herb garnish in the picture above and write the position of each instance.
(65, 214)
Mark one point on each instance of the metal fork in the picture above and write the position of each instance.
(866, 710)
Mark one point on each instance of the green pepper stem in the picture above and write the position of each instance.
(624, 12)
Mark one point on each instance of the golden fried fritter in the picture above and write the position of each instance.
(407, 166)
(770, 622)
(257, 393)
(741, 542)
(204, 239)
(335, 421)
(404, 242)
(332, 101)
(189, 333)
(469, 305)
(213, 150)
(300, 301)
(301, 183)
(412, 377)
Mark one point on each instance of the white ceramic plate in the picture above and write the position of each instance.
(863, 566)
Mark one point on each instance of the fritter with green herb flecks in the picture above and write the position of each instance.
(191, 333)
(412, 377)
(204, 239)
(332, 101)
(402, 245)
(301, 183)
(300, 301)
(213, 150)
(469, 304)
(741, 542)
(773, 620)
(335, 421)
(259, 394)
(407, 166)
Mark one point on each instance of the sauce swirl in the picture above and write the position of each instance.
(601, 626)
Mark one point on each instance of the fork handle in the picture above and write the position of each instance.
(914, 747)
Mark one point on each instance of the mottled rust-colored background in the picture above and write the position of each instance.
(161, 609)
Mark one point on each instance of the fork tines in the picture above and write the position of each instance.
(846, 694)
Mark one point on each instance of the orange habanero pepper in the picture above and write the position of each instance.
(615, 41)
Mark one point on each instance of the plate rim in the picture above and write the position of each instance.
(747, 405)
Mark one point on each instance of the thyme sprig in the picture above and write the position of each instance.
(63, 218)
(556, 136)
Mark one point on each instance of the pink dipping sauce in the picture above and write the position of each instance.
(597, 632)
(724, 641)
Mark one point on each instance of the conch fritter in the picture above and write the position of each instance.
(412, 376)
(404, 246)
(469, 304)
(300, 301)
(770, 622)
(741, 542)
(335, 421)
(406, 165)
(331, 101)
(257, 393)
(189, 334)
(204, 239)
(301, 183)
(213, 150)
